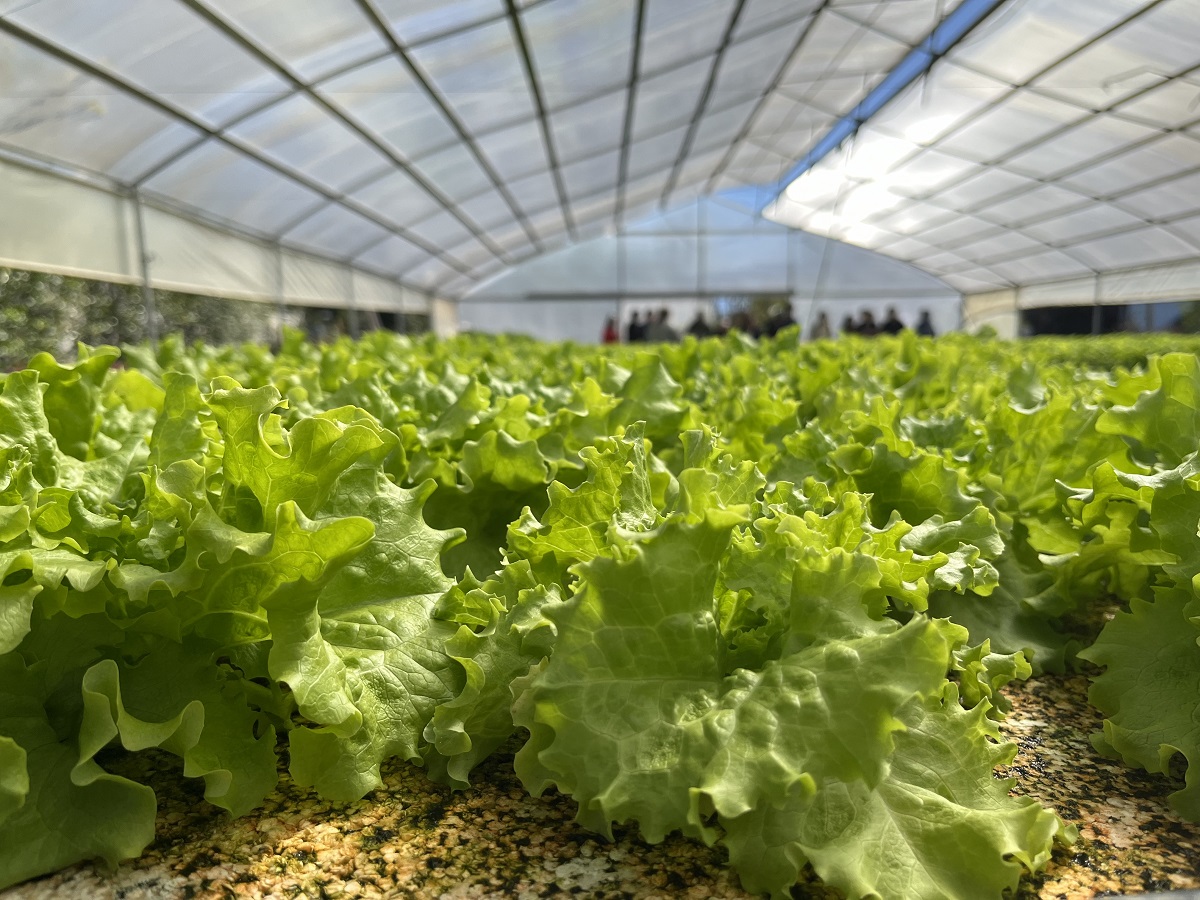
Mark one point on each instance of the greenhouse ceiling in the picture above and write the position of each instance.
(437, 142)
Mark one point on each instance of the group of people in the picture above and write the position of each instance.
(866, 325)
(654, 329)
(655, 326)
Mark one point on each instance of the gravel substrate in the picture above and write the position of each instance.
(414, 838)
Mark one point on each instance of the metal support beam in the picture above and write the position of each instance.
(149, 307)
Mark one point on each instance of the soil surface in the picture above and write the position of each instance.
(414, 838)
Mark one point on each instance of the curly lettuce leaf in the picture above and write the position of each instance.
(940, 826)
(1150, 691)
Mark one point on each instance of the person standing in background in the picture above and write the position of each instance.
(658, 331)
(892, 324)
(610, 336)
(635, 331)
(925, 325)
(866, 325)
(821, 329)
(699, 328)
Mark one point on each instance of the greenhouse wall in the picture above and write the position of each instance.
(89, 230)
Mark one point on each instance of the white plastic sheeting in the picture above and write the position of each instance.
(1058, 143)
(52, 223)
(432, 142)
(690, 257)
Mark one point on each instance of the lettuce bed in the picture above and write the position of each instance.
(762, 594)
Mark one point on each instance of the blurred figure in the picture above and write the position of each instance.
(741, 321)
(658, 331)
(780, 320)
(821, 328)
(925, 325)
(866, 325)
(699, 328)
(892, 324)
(610, 336)
(636, 331)
(848, 326)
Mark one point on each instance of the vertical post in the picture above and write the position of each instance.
(149, 308)
(701, 235)
(622, 281)
(279, 293)
(352, 307)
(1096, 323)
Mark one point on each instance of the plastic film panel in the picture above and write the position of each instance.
(397, 198)
(455, 172)
(1092, 220)
(384, 98)
(1071, 292)
(1039, 203)
(441, 230)
(392, 255)
(943, 100)
(301, 135)
(749, 263)
(580, 48)
(760, 15)
(312, 282)
(656, 153)
(719, 128)
(587, 128)
(479, 74)
(1173, 154)
(668, 100)
(676, 32)
(52, 110)
(429, 274)
(908, 22)
(376, 294)
(838, 43)
(164, 48)
(591, 175)
(1021, 119)
(313, 37)
(1133, 248)
(515, 151)
(65, 226)
(1170, 199)
(229, 185)
(197, 259)
(749, 65)
(335, 231)
(1016, 46)
(1169, 105)
(1158, 44)
(1046, 266)
(1094, 138)
(535, 192)
(488, 210)
(1152, 285)
(415, 20)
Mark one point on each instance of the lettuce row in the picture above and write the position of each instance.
(410, 549)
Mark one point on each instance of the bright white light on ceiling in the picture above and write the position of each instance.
(929, 129)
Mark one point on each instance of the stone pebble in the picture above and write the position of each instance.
(414, 838)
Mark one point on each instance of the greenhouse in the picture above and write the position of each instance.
(620, 448)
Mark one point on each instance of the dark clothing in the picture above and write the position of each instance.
(925, 328)
(635, 332)
(892, 326)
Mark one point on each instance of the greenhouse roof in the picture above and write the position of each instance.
(1058, 142)
(439, 142)
(436, 141)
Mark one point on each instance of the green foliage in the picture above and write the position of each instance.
(46, 313)
(763, 594)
